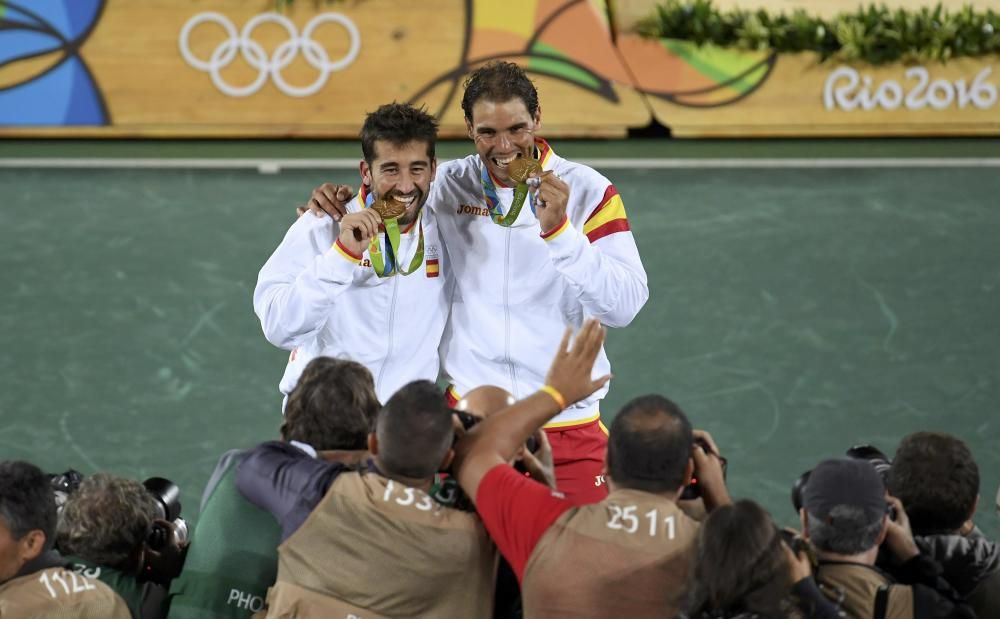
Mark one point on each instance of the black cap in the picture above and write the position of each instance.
(843, 481)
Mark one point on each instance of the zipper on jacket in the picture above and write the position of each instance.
(392, 313)
(506, 317)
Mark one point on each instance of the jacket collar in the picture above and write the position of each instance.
(966, 559)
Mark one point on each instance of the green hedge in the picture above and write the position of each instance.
(874, 35)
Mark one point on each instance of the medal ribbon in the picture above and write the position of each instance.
(385, 266)
(493, 200)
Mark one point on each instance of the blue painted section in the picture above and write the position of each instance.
(63, 93)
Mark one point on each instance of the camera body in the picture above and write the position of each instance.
(872, 454)
(800, 546)
(692, 491)
(168, 505)
(469, 420)
(63, 485)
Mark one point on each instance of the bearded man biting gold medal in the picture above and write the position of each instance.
(371, 283)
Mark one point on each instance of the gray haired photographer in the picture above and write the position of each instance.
(847, 516)
(124, 533)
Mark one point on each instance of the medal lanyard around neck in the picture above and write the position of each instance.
(493, 200)
(385, 267)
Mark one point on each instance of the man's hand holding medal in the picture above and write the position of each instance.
(356, 229)
(551, 193)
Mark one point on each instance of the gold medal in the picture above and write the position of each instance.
(388, 208)
(521, 168)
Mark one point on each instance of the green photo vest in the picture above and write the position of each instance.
(233, 557)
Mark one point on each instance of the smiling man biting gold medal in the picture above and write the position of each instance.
(371, 284)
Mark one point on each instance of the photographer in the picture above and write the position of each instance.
(234, 549)
(110, 529)
(936, 478)
(371, 541)
(846, 516)
(34, 581)
(571, 559)
(745, 569)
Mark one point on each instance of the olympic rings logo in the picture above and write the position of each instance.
(255, 55)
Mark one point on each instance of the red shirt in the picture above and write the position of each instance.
(517, 511)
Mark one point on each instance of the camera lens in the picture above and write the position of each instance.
(180, 531)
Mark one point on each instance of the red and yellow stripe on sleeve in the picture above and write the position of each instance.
(607, 218)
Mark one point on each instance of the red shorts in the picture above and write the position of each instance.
(578, 453)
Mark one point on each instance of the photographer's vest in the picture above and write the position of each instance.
(125, 585)
(867, 592)
(374, 548)
(627, 556)
(233, 556)
(59, 593)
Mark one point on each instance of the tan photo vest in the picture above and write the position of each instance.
(375, 548)
(627, 556)
(59, 593)
(865, 589)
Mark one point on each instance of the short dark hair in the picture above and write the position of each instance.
(499, 82)
(26, 500)
(398, 123)
(649, 445)
(414, 431)
(739, 565)
(846, 530)
(332, 406)
(936, 478)
(106, 521)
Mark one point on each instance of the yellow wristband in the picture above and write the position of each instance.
(558, 397)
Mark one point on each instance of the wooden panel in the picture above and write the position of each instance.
(152, 65)
(146, 69)
(713, 92)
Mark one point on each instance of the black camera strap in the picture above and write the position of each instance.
(881, 602)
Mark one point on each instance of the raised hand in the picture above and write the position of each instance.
(573, 364)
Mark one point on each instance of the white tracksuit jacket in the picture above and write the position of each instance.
(516, 292)
(313, 298)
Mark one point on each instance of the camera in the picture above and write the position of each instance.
(168, 507)
(872, 454)
(166, 496)
(799, 546)
(881, 462)
(63, 485)
(693, 489)
(468, 420)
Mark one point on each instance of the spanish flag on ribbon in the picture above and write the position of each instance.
(432, 267)
(608, 218)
